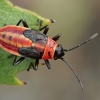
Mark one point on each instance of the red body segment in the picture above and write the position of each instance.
(49, 49)
(12, 38)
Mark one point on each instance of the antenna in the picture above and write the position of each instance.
(92, 37)
(73, 72)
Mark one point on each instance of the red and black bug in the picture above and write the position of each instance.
(24, 42)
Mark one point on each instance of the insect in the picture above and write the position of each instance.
(24, 42)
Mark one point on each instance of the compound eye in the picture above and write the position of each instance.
(60, 45)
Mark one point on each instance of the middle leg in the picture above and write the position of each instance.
(23, 22)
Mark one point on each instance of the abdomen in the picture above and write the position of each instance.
(12, 38)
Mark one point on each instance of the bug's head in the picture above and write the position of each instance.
(59, 52)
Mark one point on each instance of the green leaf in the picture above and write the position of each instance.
(10, 15)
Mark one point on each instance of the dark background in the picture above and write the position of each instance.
(77, 20)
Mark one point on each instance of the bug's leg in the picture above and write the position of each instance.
(34, 67)
(16, 62)
(46, 30)
(30, 65)
(23, 22)
(48, 64)
(55, 38)
(36, 64)
(40, 29)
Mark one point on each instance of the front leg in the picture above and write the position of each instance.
(48, 64)
(36, 64)
(55, 38)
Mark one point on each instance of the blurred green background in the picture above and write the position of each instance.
(77, 20)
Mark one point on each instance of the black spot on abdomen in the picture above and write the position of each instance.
(4, 35)
(10, 38)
